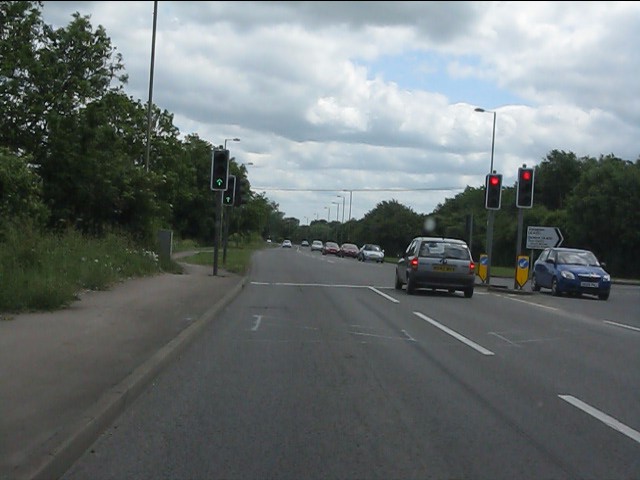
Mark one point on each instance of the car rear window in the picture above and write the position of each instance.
(444, 250)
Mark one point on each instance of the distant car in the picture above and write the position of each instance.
(436, 263)
(304, 243)
(348, 250)
(570, 270)
(317, 245)
(286, 244)
(370, 251)
(331, 248)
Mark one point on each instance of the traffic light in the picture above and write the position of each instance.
(524, 191)
(229, 195)
(220, 169)
(493, 191)
(242, 191)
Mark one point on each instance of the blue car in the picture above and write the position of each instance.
(570, 270)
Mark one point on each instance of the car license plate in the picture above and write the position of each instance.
(589, 284)
(443, 268)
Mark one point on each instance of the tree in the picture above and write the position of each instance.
(604, 211)
(45, 72)
(391, 225)
(20, 194)
(555, 177)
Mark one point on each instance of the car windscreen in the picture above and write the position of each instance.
(444, 250)
(577, 258)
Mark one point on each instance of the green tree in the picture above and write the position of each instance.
(392, 226)
(45, 72)
(555, 178)
(20, 194)
(604, 209)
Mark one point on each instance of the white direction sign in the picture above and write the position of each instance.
(539, 238)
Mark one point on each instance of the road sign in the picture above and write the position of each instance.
(539, 238)
(482, 267)
(522, 270)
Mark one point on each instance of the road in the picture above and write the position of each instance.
(320, 369)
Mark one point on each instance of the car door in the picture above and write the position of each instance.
(547, 269)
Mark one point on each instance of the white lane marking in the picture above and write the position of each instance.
(292, 284)
(256, 325)
(409, 336)
(362, 334)
(511, 297)
(505, 339)
(603, 417)
(388, 297)
(622, 325)
(455, 335)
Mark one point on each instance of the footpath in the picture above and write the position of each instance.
(66, 375)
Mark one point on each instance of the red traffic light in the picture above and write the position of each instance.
(494, 180)
(526, 175)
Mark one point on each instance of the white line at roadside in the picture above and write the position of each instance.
(455, 335)
(603, 417)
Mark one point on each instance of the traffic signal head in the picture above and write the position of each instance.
(524, 189)
(229, 195)
(493, 191)
(242, 191)
(220, 169)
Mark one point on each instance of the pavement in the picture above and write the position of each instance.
(65, 376)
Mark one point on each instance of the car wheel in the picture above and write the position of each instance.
(468, 292)
(398, 282)
(411, 285)
(534, 284)
(555, 291)
(604, 296)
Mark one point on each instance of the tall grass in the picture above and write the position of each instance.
(48, 271)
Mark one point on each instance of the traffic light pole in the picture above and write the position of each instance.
(489, 243)
(226, 220)
(217, 231)
(518, 243)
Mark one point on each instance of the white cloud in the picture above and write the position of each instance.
(291, 80)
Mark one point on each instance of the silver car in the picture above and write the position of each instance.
(370, 252)
(436, 263)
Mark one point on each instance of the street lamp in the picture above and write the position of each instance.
(328, 209)
(343, 200)
(337, 210)
(493, 135)
(491, 212)
(232, 139)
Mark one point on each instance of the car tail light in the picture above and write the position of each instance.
(414, 263)
(472, 267)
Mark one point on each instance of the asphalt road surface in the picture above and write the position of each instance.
(321, 369)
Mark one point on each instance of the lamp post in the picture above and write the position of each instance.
(491, 212)
(328, 209)
(337, 221)
(232, 139)
(343, 200)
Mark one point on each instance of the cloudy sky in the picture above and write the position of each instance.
(355, 103)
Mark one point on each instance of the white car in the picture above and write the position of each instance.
(372, 252)
(317, 245)
(286, 244)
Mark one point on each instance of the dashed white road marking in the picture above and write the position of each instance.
(513, 297)
(388, 297)
(603, 417)
(362, 334)
(455, 335)
(409, 336)
(256, 325)
(622, 325)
